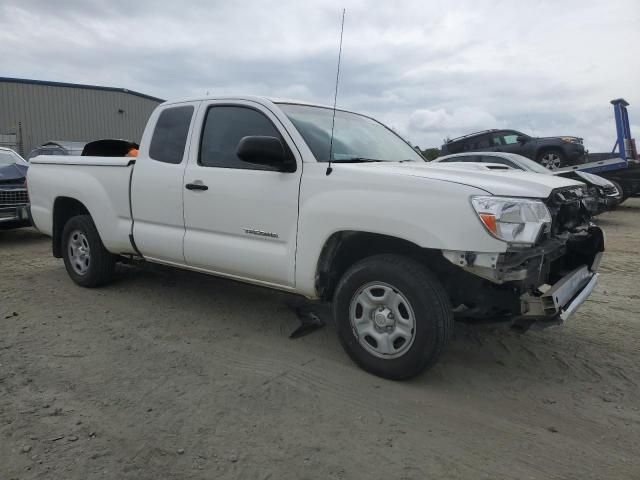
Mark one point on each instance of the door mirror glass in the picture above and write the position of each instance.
(263, 150)
(521, 139)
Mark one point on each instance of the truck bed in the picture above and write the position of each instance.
(100, 184)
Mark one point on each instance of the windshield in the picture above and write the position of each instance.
(9, 158)
(355, 137)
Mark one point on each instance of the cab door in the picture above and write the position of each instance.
(157, 184)
(241, 219)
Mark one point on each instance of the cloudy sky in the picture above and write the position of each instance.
(430, 69)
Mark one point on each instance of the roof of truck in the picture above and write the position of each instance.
(249, 98)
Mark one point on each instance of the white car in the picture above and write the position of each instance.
(602, 194)
(242, 187)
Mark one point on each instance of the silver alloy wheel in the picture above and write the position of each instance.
(79, 252)
(551, 161)
(383, 320)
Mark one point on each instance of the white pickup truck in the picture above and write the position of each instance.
(241, 187)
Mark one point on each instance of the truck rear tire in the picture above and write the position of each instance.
(392, 315)
(88, 263)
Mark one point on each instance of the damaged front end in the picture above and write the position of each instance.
(539, 284)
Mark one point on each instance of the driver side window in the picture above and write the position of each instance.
(510, 139)
(504, 138)
(224, 127)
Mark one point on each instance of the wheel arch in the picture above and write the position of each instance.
(549, 148)
(64, 208)
(344, 248)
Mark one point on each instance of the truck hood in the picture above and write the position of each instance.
(512, 183)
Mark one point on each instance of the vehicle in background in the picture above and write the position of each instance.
(550, 152)
(622, 168)
(57, 147)
(602, 195)
(263, 192)
(14, 200)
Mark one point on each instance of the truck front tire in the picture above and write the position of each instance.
(393, 317)
(88, 263)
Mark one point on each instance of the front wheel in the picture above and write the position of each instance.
(88, 263)
(393, 317)
(552, 160)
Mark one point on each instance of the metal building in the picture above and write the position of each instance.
(33, 112)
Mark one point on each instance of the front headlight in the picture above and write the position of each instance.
(513, 220)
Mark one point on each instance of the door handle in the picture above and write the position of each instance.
(196, 186)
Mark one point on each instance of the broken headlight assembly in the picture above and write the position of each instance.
(518, 221)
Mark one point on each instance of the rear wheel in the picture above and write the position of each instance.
(552, 159)
(88, 263)
(392, 315)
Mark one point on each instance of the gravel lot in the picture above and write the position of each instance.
(170, 374)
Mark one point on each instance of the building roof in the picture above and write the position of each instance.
(77, 85)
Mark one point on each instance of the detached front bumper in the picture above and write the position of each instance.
(563, 298)
(541, 285)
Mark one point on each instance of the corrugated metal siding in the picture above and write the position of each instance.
(66, 113)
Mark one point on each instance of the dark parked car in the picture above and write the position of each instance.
(550, 152)
(14, 200)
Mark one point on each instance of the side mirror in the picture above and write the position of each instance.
(521, 139)
(265, 151)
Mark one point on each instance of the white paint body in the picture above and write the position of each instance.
(422, 203)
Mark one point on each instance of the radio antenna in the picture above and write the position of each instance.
(335, 96)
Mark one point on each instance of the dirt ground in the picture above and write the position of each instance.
(170, 374)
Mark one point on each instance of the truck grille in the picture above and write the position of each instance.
(13, 197)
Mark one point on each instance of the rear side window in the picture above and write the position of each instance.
(170, 135)
(223, 129)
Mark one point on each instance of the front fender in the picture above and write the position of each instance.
(430, 213)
